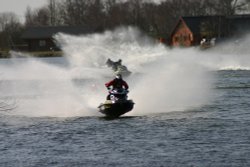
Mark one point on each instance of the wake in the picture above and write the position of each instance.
(162, 79)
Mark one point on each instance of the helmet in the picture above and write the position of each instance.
(118, 76)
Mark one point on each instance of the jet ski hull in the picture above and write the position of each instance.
(116, 109)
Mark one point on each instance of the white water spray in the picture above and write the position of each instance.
(162, 79)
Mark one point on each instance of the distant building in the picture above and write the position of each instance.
(41, 38)
(239, 24)
(191, 31)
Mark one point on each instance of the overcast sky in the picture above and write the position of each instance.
(19, 6)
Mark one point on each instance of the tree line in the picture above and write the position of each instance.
(155, 19)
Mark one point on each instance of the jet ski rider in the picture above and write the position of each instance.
(117, 83)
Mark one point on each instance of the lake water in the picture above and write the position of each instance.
(215, 134)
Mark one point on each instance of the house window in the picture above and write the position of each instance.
(42, 43)
(185, 38)
(176, 39)
(191, 37)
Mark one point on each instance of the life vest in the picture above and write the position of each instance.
(118, 83)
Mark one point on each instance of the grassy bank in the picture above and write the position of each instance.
(6, 54)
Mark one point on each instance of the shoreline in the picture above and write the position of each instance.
(23, 54)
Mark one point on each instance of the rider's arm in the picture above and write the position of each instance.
(125, 84)
(108, 84)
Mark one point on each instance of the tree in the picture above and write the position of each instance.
(52, 11)
(6, 19)
(228, 7)
(95, 16)
(38, 17)
(156, 19)
(73, 12)
(10, 30)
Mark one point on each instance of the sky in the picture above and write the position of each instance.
(19, 6)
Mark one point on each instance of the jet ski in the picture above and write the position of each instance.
(121, 69)
(118, 68)
(117, 104)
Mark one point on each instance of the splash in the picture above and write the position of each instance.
(229, 55)
(162, 79)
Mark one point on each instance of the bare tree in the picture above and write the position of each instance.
(114, 13)
(38, 17)
(227, 7)
(95, 16)
(73, 12)
(10, 30)
(52, 11)
(29, 17)
(157, 19)
(6, 19)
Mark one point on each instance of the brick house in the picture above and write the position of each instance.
(189, 31)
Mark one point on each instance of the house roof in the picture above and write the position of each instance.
(194, 23)
(48, 31)
(245, 16)
(240, 21)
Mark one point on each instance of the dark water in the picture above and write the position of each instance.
(217, 134)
